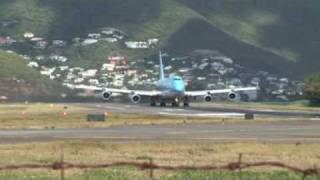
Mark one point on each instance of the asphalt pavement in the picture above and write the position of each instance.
(209, 111)
(289, 131)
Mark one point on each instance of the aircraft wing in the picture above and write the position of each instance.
(219, 91)
(136, 92)
(112, 90)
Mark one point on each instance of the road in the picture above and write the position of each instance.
(287, 131)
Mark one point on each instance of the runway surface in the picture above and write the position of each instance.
(195, 111)
(289, 131)
(145, 109)
(284, 132)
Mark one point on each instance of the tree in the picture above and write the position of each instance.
(312, 89)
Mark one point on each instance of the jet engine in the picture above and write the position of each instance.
(233, 96)
(208, 98)
(135, 98)
(106, 95)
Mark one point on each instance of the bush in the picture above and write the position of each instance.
(312, 89)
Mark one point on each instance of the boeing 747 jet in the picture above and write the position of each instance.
(169, 90)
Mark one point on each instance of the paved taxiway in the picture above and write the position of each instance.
(288, 131)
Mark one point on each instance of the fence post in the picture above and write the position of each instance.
(239, 164)
(62, 166)
(151, 168)
(151, 172)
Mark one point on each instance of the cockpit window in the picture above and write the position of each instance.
(177, 79)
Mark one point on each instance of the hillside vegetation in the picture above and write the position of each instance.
(17, 81)
(264, 34)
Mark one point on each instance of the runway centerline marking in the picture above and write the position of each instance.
(204, 114)
(176, 132)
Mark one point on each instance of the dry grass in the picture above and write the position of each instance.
(304, 155)
(43, 116)
(261, 106)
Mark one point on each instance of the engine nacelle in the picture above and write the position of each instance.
(233, 96)
(135, 98)
(106, 95)
(208, 98)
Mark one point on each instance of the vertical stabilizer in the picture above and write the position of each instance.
(161, 67)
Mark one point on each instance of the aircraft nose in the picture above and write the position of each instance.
(179, 87)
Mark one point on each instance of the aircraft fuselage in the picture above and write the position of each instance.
(172, 87)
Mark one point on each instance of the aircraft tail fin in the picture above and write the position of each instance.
(161, 67)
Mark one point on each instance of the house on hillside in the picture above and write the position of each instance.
(59, 43)
(40, 58)
(87, 42)
(33, 64)
(28, 35)
(110, 39)
(63, 68)
(94, 36)
(108, 67)
(61, 59)
(41, 44)
(93, 82)
(89, 73)
(47, 71)
(6, 40)
(137, 44)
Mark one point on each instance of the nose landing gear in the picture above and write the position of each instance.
(176, 102)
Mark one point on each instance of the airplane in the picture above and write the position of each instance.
(169, 89)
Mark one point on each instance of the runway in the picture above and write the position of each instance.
(276, 132)
(294, 130)
(195, 111)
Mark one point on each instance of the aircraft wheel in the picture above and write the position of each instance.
(175, 104)
(163, 104)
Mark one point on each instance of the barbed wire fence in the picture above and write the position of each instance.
(239, 166)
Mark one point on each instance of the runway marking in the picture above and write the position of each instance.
(177, 132)
(174, 110)
(112, 107)
(204, 114)
(314, 119)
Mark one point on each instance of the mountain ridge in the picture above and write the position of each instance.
(265, 34)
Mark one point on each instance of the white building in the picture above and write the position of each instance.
(87, 42)
(89, 73)
(93, 81)
(110, 40)
(137, 44)
(94, 35)
(109, 67)
(59, 43)
(47, 72)
(63, 68)
(57, 58)
(33, 64)
(28, 35)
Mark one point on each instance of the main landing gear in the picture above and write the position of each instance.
(175, 102)
(186, 102)
(163, 104)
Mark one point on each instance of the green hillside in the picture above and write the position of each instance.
(267, 34)
(18, 81)
(287, 28)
